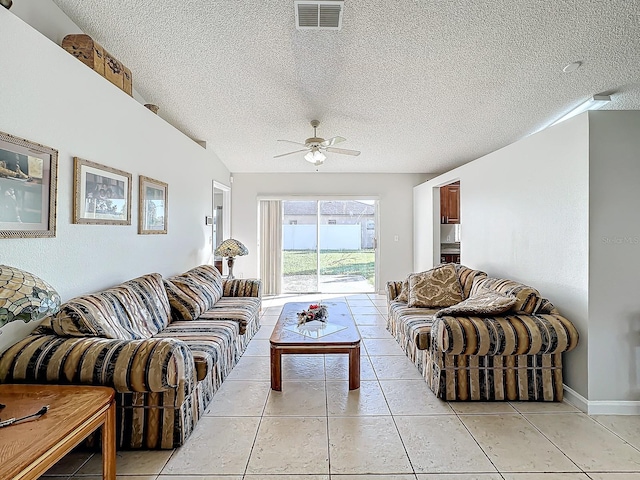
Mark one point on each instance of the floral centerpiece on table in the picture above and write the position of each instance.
(315, 312)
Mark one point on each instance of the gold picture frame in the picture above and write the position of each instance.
(153, 206)
(28, 183)
(101, 194)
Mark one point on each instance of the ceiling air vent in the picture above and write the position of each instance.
(319, 15)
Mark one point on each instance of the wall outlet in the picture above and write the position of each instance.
(395, 238)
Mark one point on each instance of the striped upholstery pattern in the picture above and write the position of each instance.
(242, 310)
(154, 379)
(242, 287)
(165, 374)
(134, 310)
(193, 292)
(528, 299)
(212, 344)
(504, 335)
(467, 276)
(515, 356)
(494, 377)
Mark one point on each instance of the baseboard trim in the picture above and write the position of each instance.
(601, 407)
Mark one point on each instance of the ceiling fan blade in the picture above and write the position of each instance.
(332, 141)
(295, 143)
(291, 153)
(343, 151)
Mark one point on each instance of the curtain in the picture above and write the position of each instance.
(271, 246)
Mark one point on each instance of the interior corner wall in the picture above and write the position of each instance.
(47, 96)
(614, 224)
(524, 216)
(394, 191)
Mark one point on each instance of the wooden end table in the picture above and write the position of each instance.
(28, 449)
(347, 340)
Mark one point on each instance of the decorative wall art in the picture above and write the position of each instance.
(101, 194)
(28, 180)
(153, 206)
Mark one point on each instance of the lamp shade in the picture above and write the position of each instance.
(231, 248)
(23, 296)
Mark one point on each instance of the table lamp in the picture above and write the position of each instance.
(231, 248)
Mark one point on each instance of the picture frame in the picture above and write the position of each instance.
(153, 206)
(101, 194)
(28, 188)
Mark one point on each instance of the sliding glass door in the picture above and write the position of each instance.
(329, 246)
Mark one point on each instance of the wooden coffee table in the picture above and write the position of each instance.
(30, 448)
(284, 340)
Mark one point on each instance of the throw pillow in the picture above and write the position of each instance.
(403, 296)
(439, 287)
(484, 303)
(185, 298)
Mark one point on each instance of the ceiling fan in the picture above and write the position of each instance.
(316, 146)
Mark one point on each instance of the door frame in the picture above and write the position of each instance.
(320, 198)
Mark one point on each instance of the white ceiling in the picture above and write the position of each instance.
(416, 85)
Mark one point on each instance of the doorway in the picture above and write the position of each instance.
(329, 246)
(221, 227)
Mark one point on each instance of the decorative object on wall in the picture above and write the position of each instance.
(25, 297)
(153, 206)
(152, 107)
(89, 52)
(231, 248)
(28, 180)
(6, 3)
(101, 194)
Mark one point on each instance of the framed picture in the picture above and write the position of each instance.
(101, 194)
(28, 182)
(153, 206)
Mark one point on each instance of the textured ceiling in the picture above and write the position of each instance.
(416, 85)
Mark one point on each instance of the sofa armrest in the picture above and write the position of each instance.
(506, 335)
(242, 287)
(150, 365)
(393, 290)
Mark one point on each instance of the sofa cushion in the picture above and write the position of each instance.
(238, 309)
(403, 296)
(528, 299)
(114, 313)
(484, 303)
(152, 296)
(211, 342)
(193, 292)
(467, 276)
(438, 287)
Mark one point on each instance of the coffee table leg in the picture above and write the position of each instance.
(276, 369)
(354, 368)
(109, 444)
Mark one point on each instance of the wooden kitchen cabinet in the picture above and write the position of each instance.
(450, 258)
(450, 203)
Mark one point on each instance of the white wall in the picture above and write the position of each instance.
(51, 98)
(524, 215)
(614, 257)
(394, 191)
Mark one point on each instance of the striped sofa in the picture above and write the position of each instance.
(164, 345)
(514, 356)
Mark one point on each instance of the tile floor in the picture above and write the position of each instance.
(391, 428)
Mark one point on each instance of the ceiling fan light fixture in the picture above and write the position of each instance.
(315, 156)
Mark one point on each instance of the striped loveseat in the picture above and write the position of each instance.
(516, 355)
(165, 345)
